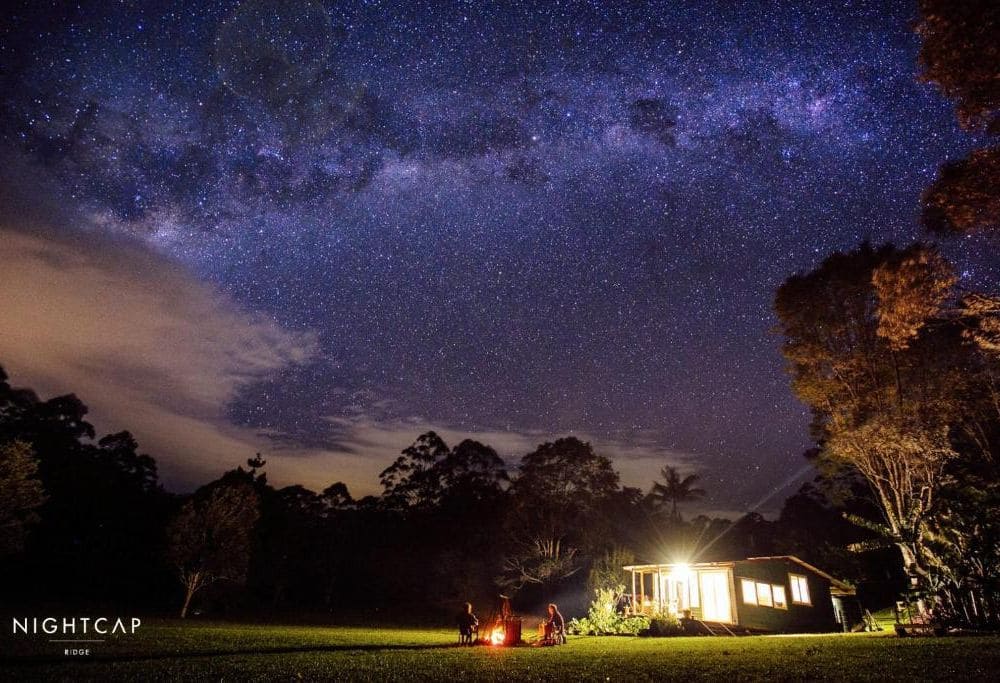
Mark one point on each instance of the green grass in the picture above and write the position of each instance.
(238, 652)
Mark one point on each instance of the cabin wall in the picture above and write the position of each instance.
(796, 618)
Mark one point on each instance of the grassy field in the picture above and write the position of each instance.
(238, 652)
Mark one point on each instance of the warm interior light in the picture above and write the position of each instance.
(680, 571)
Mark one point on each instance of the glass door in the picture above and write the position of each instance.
(715, 602)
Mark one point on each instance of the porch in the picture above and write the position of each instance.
(703, 592)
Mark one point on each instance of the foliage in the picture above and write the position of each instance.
(540, 561)
(910, 291)
(561, 484)
(104, 512)
(878, 346)
(674, 489)
(606, 570)
(965, 197)
(429, 473)
(960, 53)
(606, 618)
(981, 318)
(664, 625)
(845, 371)
(905, 466)
(210, 538)
(563, 523)
(414, 480)
(558, 508)
(22, 495)
(967, 537)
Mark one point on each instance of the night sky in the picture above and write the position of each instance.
(318, 229)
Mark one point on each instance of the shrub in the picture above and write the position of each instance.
(664, 625)
(603, 617)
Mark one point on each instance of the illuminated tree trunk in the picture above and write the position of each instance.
(191, 585)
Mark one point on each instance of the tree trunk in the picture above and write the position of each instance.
(187, 603)
(190, 586)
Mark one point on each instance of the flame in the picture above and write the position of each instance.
(497, 635)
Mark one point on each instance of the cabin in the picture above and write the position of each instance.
(780, 594)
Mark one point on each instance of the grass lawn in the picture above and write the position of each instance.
(238, 652)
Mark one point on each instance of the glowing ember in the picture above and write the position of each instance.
(497, 635)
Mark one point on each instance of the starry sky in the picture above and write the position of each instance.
(316, 229)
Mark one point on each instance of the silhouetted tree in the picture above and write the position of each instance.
(606, 571)
(255, 463)
(558, 498)
(21, 494)
(104, 512)
(413, 480)
(674, 489)
(336, 497)
(210, 538)
(138, 470)
(960, 54)
(965, 197)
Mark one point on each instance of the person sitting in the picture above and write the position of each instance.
(555, 626)
(468, 625)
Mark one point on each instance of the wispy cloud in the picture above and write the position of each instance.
(151, 349)
(147, 346)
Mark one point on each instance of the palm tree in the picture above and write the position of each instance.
(674, 490)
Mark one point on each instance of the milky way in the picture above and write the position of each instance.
(536, 217)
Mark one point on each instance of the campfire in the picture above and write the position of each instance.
(504, 628)
(497, 635)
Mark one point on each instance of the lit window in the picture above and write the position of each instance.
(779, 596)
(800, 589)
(764, 595)
(749, 591)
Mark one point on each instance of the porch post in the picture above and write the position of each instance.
(659, 591)
(634, 607)
(642, 590)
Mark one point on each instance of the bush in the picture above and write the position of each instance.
(664, 625)
(603, 617)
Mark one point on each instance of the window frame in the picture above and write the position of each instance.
(764, 589)
(796, 589)
(754, 586)
(784, 596)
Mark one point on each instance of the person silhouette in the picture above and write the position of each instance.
(468, 624)
(555, 626)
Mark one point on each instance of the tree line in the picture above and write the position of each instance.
(85, 521)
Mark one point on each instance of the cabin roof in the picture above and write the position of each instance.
(837, 587)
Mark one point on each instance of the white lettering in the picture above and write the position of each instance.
(71, 626)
